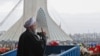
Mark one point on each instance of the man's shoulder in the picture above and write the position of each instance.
(23, 34)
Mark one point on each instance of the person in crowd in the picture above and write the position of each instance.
(84, 50)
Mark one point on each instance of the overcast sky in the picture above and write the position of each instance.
(5, 7)
(75, 6)
(76, 16)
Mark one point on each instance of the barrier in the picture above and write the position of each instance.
(59, 50)
(75, 51)
(10, 53)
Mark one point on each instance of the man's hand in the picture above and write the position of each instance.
(41, 33)
(44, 33)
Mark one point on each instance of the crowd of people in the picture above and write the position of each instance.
(90, 51)
(6, 46)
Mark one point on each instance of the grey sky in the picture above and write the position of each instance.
(76, 16)
(5, 8)
(83, 23)
(75, 6)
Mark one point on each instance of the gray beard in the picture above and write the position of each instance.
(34, 31)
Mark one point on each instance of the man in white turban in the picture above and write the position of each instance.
(30, 42)
(30, 22)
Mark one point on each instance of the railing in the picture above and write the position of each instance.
(10, 53)
(59, 50)
(75, 51)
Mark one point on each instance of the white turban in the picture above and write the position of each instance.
(29, 22)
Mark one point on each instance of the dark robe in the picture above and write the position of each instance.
(30, 45)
